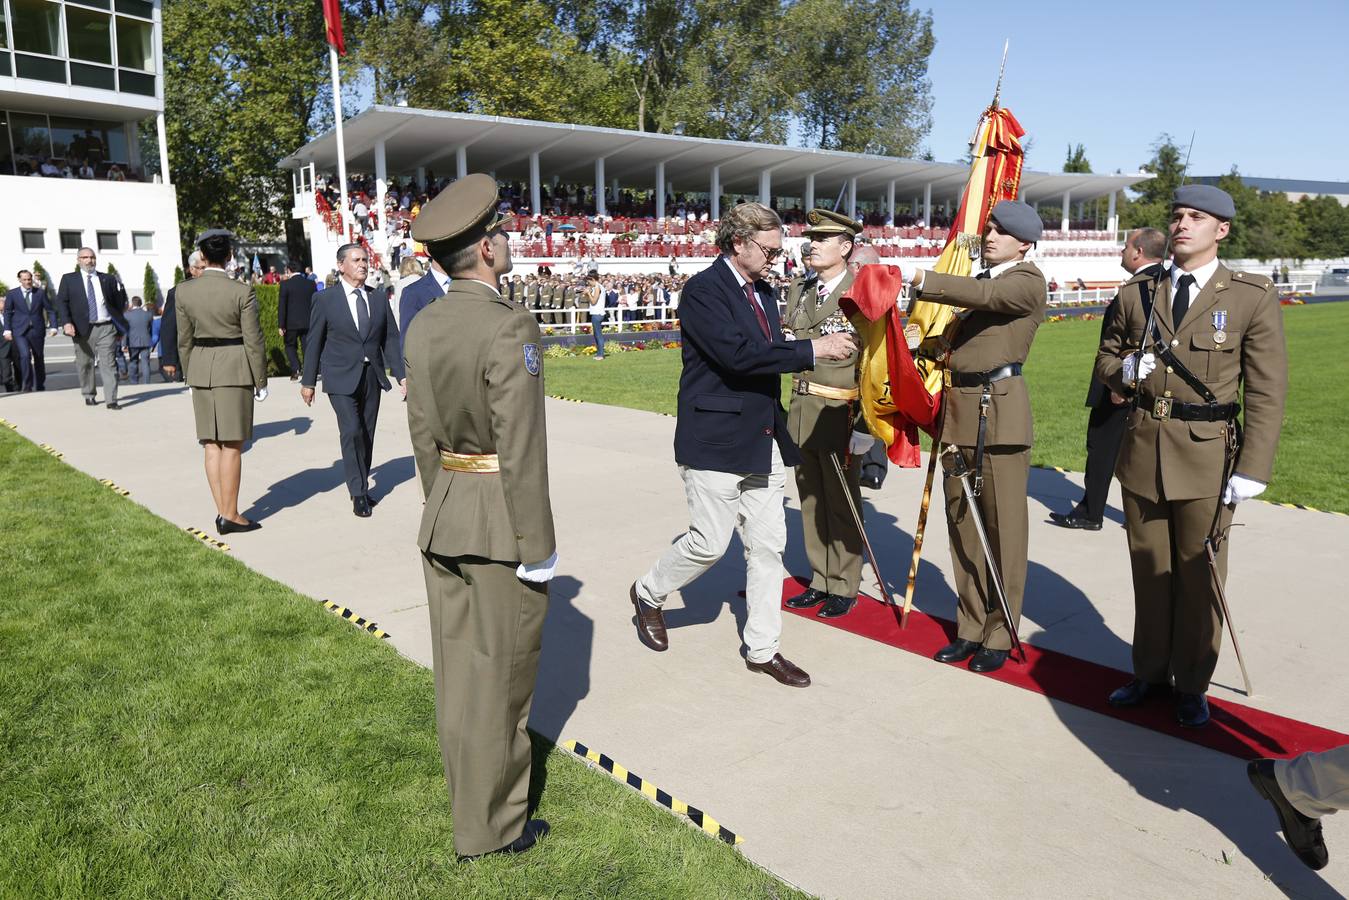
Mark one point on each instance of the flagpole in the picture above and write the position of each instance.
(341, 145)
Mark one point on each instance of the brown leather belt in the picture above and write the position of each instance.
(803, 387)
(468, 462)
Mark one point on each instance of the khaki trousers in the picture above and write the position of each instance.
(1317, 784)
(486, 628)
(100, 343)
(720, 503)
(1178, 624)
(833, 544)
(1002, 504)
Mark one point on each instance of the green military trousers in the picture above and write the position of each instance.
(833, 543)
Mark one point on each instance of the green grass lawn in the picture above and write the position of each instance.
(1312, 467)
(176, 725)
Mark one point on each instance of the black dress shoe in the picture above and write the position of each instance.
(1135, 692)
(90, 401)
(1073, 520)
(114, 405)
(958, 650)
(225, 526)
(372, 501)
(987, 660)
(1191, 709)
(534, 829)
(835, 606)
(810, 598)
(361, 506)
(1302, 833)
(870, 481)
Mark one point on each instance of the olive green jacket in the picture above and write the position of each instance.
(819, 423)
(216, 306)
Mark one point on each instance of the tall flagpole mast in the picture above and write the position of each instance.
(341, 145)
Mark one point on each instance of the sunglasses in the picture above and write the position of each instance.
(769, 253)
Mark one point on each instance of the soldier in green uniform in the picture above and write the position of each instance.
(476, 419)
(820, 421)
(988, 421)
(1217, 335)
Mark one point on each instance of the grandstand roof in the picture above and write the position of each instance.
(1285, 185)
(420, 137)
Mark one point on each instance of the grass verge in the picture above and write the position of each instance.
(175, 724)
(1310, 468)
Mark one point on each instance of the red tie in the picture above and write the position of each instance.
(758, 310)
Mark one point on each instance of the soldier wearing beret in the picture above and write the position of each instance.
(1185, 463)
(820, 421)
(988, 421)
(476, 419)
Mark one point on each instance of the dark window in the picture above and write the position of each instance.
(33, 238)
(92, 76)
(37, 26)
(32, 141)
(89, 35)
(107, 240)
(137, 82)
(72, 240)
(136, 8)
(143, 241)
(40, 68)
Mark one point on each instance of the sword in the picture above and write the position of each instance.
(886, 596)
(1213, 543)
(1149, 325)
(956, 468)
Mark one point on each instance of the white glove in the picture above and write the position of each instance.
(860, 442)
(1239, 488)
(1138, 367)
(539, 573)
(260, 394)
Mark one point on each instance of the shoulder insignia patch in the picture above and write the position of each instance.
(533, 359)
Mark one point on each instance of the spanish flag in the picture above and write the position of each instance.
(332, 19)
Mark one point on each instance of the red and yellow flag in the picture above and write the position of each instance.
(332, 20)
(900, 387)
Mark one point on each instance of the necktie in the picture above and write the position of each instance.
(1181, 302)
(985, 274)
(28, 300)
(362, 312)
(758, 310)
(93, 301)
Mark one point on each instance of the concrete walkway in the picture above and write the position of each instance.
(892, 775)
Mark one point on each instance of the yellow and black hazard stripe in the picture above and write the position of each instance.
(119, 491)
(52, 450)
(206, 538)
(363, 624)
(8, 424)
(651, 792)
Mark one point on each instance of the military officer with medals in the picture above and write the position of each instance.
(988, 421)
(476, 420)
(1216, 337)
(820, 421)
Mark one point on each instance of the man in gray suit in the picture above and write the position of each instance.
(138, 322)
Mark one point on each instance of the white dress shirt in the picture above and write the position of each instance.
(1201, 276)
(99, 301)
(349, 290)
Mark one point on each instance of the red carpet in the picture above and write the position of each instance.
(1240, 731)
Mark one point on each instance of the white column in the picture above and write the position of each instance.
(461, 162)
(164, 154)
(616, 192)
(600, 208)
(1112, 219)
(927, 204)
(421, 178)
(852, 198)
(766, 187)
(660, 189)
(1067, 199)
(913, 210)
(714, 192)
(381, 192)
(810, 192)
(535, 192)
(890, 204)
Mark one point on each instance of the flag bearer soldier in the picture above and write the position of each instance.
(476, 420)
(988, 419)
(820, 421)
(1185, 462)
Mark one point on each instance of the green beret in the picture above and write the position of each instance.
(1018, 219)
(1206, 198)
(465, 210)
(826, 222)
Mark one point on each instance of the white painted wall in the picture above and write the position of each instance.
(62, 204)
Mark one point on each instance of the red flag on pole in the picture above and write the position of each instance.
(332, 18)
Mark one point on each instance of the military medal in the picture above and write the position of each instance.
(1219, 324)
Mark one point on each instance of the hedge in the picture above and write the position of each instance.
(269, 296)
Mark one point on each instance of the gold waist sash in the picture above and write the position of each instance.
(800, 386)
(468, 462)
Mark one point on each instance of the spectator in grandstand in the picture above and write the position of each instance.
(86, 171)
(1053, 286)
(115, 173)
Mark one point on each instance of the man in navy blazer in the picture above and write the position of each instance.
(353, 339)
(418, 295)
(27, 315)
(731, 440)
(90, 305)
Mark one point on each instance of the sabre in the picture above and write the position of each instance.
(1151, 323)
(857, 519)
(958, 469)
(1213, 543)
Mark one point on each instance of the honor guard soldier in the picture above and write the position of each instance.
(987, 419)
(476, 419)
(1187, 348)
(820, 421)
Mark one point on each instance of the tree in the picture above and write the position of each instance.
(1153, 206)
(1266, 225)
(1077, 160)
(1327, 228)
(150, 287)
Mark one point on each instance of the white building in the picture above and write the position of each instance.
(79, 82)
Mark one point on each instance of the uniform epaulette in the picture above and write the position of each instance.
(1261, 282)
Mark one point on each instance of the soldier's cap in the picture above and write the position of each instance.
(1206, 198)
(826, 222)
(215, 232)
(463, 212)
(1018, 219)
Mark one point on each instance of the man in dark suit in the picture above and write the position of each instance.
(139, 323)
(353, 339)
(731, 439)
(418, 295)
(292, 315)
(168, 325)
(1142, 255)
(91, 306)
(28, 314)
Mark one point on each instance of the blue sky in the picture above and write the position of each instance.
(1263, 87)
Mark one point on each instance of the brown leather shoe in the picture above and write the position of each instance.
(782, 670)
(650, 622)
